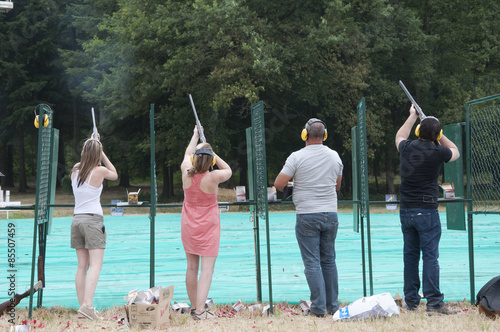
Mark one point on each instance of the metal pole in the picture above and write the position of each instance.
(363, 259)
(370, 266)
(470, 231)
(152, 208)
(471, 253)
(252, 197)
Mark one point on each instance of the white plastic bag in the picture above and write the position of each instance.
(381, 305)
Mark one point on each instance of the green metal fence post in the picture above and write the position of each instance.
(470, 232)
(454, 173)
(253, 214)
(152, 208)
(356, 222)
(355, 179)
(43, 190)
(363, 182)
(259, 140)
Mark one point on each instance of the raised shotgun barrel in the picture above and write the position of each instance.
(198, 124)
(419, 110)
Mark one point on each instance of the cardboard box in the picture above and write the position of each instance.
(448, 190)
(133, 197)
(151, 316)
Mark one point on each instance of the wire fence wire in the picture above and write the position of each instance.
(485, 156)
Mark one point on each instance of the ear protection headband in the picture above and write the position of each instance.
(305, 134)
(417, 129)
(204, 151)
(45, 121)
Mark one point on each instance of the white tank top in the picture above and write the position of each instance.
(87, 197)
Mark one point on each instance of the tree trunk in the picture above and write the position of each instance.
(76, 134)
(61, 163)
(7, 166)
(389, 172)
(244, 175)
(168, 181)
(346, 186)
(124, 177)
(164, 187)
(23, 185)
(171, 181)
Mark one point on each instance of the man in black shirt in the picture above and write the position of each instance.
(421, 162)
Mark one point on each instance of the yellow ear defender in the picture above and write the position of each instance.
(417, 129)
(45, 121)
(305, 134)
(204, 151)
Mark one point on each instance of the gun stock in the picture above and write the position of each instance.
(7, 305)
(41, 270)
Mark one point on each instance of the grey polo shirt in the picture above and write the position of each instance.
(314, 169)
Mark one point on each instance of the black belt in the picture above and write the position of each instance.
(86, 214)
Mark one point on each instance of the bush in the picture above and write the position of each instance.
(66, 185)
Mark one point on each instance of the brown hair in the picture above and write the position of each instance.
(430, 128)
(91, 157)
(201, 162)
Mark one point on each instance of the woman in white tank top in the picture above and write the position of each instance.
(88, 235)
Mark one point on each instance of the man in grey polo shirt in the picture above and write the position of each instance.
(316, 171)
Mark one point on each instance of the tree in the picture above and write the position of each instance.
(398, 49)
(30, 75)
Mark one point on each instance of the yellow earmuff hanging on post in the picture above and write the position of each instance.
(204, 151)
(305, 134)
(45, 121)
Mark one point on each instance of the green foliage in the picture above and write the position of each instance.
(66, 185)
(303, 59)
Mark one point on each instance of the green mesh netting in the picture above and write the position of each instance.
(484, 120)
(126, 259)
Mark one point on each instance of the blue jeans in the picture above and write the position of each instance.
(316, 233)
(421, 232)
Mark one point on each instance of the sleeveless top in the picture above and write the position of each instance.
(200, 220)
(87, 197)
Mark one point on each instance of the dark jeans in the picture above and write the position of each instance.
(421, 233)
(316, 233)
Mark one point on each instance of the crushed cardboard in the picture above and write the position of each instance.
(149, 316)
(448, 190)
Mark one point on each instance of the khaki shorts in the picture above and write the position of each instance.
(87, 231)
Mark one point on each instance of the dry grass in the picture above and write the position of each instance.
(285, 318)
(111, 193)
(108, 194)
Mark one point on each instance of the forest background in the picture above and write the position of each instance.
(304, 59)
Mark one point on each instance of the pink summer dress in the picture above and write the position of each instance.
(200, 220)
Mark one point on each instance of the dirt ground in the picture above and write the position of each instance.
(286, 317)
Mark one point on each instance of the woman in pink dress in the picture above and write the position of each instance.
(200, 221)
